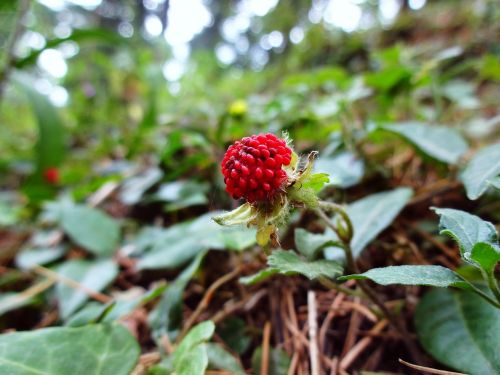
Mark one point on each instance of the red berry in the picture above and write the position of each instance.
(51, 175)
(252, 167)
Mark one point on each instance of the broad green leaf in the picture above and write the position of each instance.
(466, 229)
(92, 274)
(440, 142)
(412, 275)
(90, 228)
(258, 277)
(484, 166)
(279, 362)
(460, 330)
(221, 359)
(166, 317)
(94, 350)
(289, 263)
(345, 169)
(191, 357)
(372, 214)
(180, 243)
(310, 244)
(486, 255)
(28, 258)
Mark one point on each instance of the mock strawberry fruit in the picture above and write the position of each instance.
(51, 175)
(252, 167)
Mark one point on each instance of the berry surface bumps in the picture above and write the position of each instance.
(252, 167)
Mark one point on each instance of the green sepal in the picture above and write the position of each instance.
(243, 215)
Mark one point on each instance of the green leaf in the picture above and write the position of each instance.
(134, 188)
(372, 214)
(221, 359)
(182, 194)
(180, 243)
(345, 169)
(466, 229)
(289, 263)
(120, 306)
(258, 277)
(440, 142)
(11, 301)
(310, 244)
(233, 331)
(166, 317)
(315, 181)
(94, 275)
(191, 357)
(50, 146)
(484, 166)
(90, 228)
(412, 275)
(192, 362)
(486, 255)
(460, 330)
(95, 349)
(28, 258)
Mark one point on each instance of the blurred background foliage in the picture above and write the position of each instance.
(98, 88)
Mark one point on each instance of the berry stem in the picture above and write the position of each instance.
(352, 267)
(330, 207)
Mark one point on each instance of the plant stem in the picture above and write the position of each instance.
(482, 294)
(326, 207)
(353, 268)
(489, 277)
(326, 282)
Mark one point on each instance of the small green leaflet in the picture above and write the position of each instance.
(466, 229)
